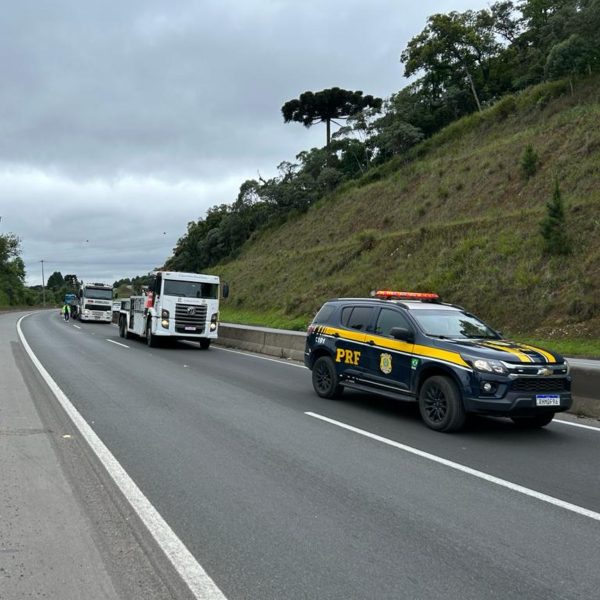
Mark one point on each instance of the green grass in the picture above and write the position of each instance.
(458, 219)
(268, 319)
(580, 348)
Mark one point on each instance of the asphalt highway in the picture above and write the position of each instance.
(279, 494)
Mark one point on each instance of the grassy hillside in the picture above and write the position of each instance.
(458, 218)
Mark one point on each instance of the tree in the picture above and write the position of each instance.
(55, 281)
(72, 282)
(327, 105)
(456, 48)
(529, 162)
(568, 58)
(12, 272)
(553, 226)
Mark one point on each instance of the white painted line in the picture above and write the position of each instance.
(76, 326)
(196, 578)
(581, 425)
(281, 361)
(117, 343)
(464, 469)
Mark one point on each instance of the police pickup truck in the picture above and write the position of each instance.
(411, 346)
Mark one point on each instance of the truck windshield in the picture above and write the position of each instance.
(98, 294)
(452, 324)
(191, 289)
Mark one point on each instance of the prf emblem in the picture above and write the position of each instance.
(349, 357)
(385, 363)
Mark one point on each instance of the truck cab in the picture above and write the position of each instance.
(177, 305)
(95, 303)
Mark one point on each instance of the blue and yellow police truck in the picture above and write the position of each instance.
(412, 346)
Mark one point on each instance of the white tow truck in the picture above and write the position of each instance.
(95, 303)
(177, 306)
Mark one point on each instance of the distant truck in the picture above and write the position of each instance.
(72, 302)
(95, 302)
(177, 306)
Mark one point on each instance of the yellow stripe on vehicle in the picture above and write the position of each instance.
(549, 357)
(354, 336)
(446, 355)
(382, 342)
(400, 346)
(506, 348)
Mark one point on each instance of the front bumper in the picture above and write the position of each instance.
(516, 404)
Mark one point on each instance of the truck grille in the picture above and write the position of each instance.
(540, 385)
(188, 316)
(98, 307)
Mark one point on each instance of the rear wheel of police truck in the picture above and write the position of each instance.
(325, 379)
(440, 404)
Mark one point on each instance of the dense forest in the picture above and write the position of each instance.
(463, 63)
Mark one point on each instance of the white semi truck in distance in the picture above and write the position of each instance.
(177, 306)
(95, 302)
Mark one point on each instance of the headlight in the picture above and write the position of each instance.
(486, 365)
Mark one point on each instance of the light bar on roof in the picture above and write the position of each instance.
(393, 295)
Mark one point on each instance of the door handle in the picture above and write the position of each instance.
(336, 335)
(371, 343)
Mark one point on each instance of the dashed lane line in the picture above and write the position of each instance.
(117, 343)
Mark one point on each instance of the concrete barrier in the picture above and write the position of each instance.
(290, 344)
(274, 342)
(586, 391)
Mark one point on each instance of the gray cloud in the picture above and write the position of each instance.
(121, 120)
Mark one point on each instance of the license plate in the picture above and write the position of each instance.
(190, 329)
(547, 400)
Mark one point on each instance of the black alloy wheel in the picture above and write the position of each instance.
(440, 404)
(325, 379)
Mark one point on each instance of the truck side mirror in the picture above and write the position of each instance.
(225, 291)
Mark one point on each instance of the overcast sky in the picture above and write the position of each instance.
(120, 122)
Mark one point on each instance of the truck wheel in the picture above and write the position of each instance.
(440, 404)
(325, 379)
(533, 422)
(150, 339)
(204, 343)
(123, 332)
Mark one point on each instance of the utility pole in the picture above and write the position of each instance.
(43, 286)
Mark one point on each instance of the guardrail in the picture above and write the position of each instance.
(290, 344)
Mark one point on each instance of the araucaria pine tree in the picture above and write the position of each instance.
(553, 225)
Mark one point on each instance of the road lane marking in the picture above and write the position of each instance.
(76, 326)
(117, 343)
(563, 422)
(192, 573)
(281, 361)
(464, 469)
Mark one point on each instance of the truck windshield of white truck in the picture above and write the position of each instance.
(98, 294)
(191, 289)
